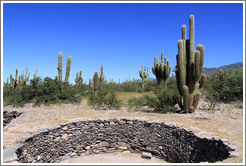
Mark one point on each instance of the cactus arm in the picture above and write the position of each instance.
(196, 99)
(69, 58)
(101, 74)
(201, 49)
(185, 98)
(202, 81)
(197, 66)
(184, 32)
(60, 56)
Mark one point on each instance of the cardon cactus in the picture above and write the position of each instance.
(13, 82)
(6, 84)
(101, 74)
(144, 74)
(60, 61)
(161, 71)
(35, 75)
(94, 86)
(79, 79)
(189, 70)
(23, 79)
(97, 81)
(69, 58)
(59, 68)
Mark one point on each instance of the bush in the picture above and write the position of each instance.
(226, 85)
(49, 91)
(104, 98)
(163, 102)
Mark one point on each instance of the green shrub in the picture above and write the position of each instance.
(226, 85)
(48, 91)
(104, 98)
(164, 101)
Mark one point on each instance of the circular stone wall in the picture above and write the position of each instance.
(173, 144)
(9, 116)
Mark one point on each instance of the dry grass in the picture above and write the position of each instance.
(125, 96)
(227, 123)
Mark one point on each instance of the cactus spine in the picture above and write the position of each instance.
(144, 74)
(161, 71)
(188, 70)
(60, 56)
(79, 80)
(69, 58)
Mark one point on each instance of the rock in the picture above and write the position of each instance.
(57, 139)
(121, 143)
(73, 154)
(9, 154)
(96, 151)
(127, 151)
(224, 140)
(87, 147)
(39, 157)
(104, 144)
(130, 122)
(122, 148)
(122, 122)
(64, 136)
(232, 147)
(160, 147)
(235, 154)
(111, 123)
(65, 128)
(146, 155)
(25, 152)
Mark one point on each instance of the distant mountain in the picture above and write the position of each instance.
(209, 71)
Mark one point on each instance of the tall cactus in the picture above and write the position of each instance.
(94, 86)
(6, 84)
(161, 71)
(69, 58)
(60, 61)
(101, 74)
(188, 70)
(13, 81)
(97, 81)
(144, 74)
(79, 80)
(35, 75)
(23, 79)
(60, 56)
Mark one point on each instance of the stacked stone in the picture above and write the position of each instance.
(170, 143)
(9, 116)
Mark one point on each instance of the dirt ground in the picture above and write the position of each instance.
(226, 121)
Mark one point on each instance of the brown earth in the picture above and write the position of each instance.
(225, 122)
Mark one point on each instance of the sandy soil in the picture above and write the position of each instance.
(118, 157)
(225, 122)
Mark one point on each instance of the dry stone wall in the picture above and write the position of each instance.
(9, 116)
(168, 142)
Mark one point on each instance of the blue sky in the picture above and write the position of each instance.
(121, 37)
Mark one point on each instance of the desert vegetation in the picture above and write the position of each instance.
(149, 99)
(184, 89)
